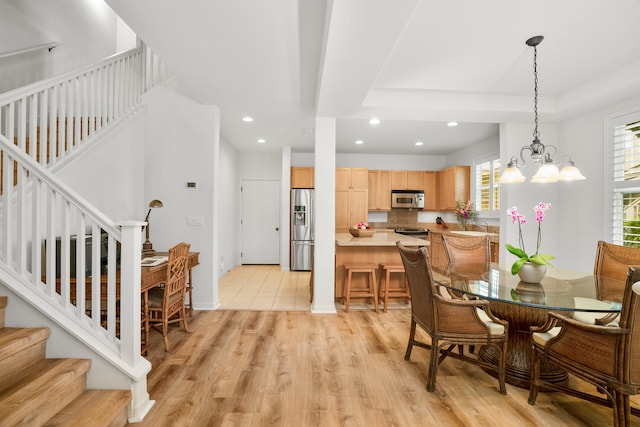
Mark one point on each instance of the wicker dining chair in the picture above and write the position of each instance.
(467, 250)
(167, 304)
(449, 322)
(612, 262)
(606, 356)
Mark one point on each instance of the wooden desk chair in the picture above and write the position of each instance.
(167, 304)
(449, 322)
(606, 356)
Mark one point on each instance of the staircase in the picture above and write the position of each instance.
(37, 391)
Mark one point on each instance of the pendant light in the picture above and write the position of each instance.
(547, 172)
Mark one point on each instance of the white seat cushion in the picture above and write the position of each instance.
(494, 328)
(543, 337)
(590, 317)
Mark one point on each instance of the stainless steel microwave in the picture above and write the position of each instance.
(407, 199)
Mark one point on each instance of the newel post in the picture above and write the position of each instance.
(130, 299)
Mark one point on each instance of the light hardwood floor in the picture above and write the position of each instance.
(295, 368)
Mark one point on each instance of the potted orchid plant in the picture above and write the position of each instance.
(523, 258)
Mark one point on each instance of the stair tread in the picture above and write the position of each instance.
(95, 408)
(44, 380)
(12, 340)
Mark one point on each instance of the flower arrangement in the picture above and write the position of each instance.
(536, 258)
(465, 213)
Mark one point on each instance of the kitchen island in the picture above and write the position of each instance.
(377, 249)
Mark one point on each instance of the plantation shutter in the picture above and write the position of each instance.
(626, 182)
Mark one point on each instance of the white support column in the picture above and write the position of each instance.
(285, 203)
(325, 201)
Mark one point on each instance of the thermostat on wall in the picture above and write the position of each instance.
(191, 185)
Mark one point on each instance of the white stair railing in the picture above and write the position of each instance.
(57, 250)
(51, 119)
(66, 254)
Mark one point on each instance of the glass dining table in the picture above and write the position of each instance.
(525, 304)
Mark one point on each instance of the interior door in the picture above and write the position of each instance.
(260, 222)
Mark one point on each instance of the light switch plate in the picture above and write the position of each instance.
(195, 221)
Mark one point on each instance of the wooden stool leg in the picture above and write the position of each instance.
(375, 290)
(347, 292)
(386, 294)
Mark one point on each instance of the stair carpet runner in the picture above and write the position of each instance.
(37, 391)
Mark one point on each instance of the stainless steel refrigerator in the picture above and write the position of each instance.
(302, 229)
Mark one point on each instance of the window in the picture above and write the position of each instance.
(625, 168)
(487, 187)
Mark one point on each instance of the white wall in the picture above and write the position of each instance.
(110, 173)
(229, 226)
(583, 221)
(181, 142)
(85, 29)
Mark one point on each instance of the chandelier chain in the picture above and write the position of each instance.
(536, 134)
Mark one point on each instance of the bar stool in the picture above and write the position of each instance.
(386, 290)
(370, 291)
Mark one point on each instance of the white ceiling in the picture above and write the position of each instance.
(415, 64)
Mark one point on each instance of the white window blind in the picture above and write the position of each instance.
(625, 159)
(487, 187)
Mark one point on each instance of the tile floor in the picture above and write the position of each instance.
(264, 287)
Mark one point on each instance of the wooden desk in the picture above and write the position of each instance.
(150, 277)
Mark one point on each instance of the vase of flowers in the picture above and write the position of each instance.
(465, 214)
(530, 268)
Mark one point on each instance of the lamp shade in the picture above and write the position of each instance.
(571, 173)
(512, 175)
(546, 174)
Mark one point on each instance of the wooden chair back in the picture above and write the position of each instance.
(467, 250)
(612, 262)
(176, 284)
(421, 286)
(629, 352)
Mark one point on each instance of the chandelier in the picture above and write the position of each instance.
(538, 152)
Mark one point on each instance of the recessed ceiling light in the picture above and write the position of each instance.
(419, 143)
(358, 142)
(374, 121)
(247, 119)
(262, 141)
(451, 124)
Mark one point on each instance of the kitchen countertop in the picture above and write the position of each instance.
(381, 238)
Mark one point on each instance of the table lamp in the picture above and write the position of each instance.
(147, 248)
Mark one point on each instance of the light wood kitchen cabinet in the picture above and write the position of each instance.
(379, 190)
(430, 190)
(351, 196)
(407, 180)
(302, 177)
(453, 185)
(352, 178)
(351, 207)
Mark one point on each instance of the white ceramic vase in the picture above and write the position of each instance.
(532, 273)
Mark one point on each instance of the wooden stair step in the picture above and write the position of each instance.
(46, 387)
(95, 408)
(19, 349)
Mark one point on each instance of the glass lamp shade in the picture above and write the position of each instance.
(571, 173)
(546, 174)
(512, 175)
